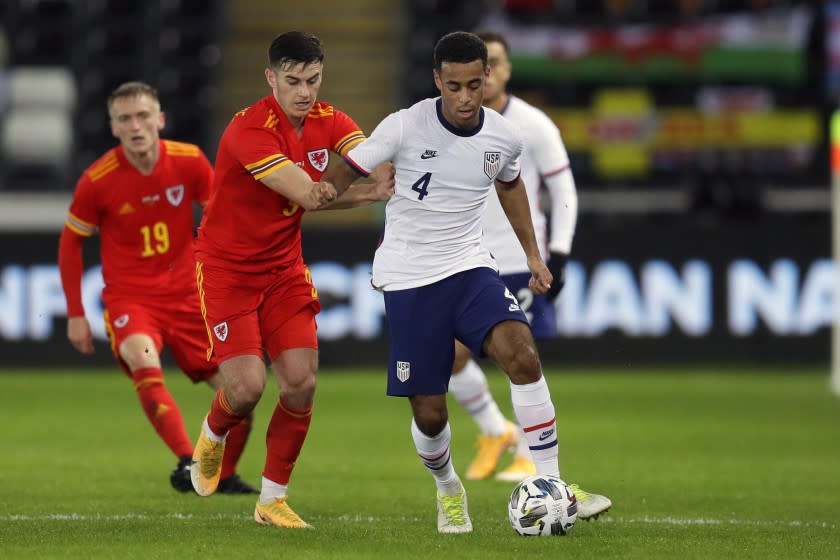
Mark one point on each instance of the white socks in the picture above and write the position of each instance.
(469, 387)
(271, 491)
(211, 435)
(434, 452)
(535, 413)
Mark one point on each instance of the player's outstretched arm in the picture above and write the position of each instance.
(362, 194)
(292, 182)
(514, 202)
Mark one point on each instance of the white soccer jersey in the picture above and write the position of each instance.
(544, 156)
(443, 178)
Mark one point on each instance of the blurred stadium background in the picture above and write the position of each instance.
(697, 129)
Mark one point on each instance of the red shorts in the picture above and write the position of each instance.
(174, 323)
(258, 313)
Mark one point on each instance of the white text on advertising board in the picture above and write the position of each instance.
(655, 299)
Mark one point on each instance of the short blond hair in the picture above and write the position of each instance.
(132, 89)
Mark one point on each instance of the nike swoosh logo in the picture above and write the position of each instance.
(545, 435)
(424, 156)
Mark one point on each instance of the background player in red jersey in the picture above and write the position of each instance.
(140, 195)
(256, 291)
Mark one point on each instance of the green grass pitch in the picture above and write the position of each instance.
(699, 464)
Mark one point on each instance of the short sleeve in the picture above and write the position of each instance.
(258, 150)
(346, 134)
(382, 145)
(510, 172)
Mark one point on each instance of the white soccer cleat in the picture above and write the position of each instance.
(452, 513)
(590, 505)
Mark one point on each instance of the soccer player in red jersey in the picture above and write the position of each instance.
(140, 196)
(256, 292)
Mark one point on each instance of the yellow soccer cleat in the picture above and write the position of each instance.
(590, 505)
(452, 513)
(206, 468)
(519, 470)
(279, 514)
(490, 450)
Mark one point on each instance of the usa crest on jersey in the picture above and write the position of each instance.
(319, 159)
(492, 161)
(175, 194)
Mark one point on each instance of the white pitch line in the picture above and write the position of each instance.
(113, 517)
(357, 518)
(709, 521)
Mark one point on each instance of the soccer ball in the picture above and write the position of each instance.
(542, 506)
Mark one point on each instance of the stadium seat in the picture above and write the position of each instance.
(36, 146)
(36, 134)
(44, 87)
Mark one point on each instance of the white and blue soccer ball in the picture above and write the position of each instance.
(542, 506)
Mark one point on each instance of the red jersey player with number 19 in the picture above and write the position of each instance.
(140, 196)
(256, 292)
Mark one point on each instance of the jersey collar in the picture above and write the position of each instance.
(282, 118)
(123, 159)
(455, 130)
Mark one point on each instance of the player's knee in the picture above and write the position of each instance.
(430, 414)
(299, 390)
(523, 366)
(139, 358)
(244, 394)
(431, 424)
(138, 351)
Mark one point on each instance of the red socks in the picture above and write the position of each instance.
(222, 418)
(284, 440)
(235, 444)
(165, 416)
(161, 410)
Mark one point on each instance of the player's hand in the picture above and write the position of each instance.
(557, 266)
(322, 193)
(383, 178)
(541, 277)
(79, 334)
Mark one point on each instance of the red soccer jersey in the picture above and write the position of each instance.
(145, 222)
(247, 226)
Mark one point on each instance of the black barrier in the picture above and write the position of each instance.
(636, 293)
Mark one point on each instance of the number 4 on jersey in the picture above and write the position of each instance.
(421, 185)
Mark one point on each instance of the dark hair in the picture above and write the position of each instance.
(460, 46)
(493, 37)
(132, 89)
(295, 47)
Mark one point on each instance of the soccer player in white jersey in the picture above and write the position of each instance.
(439, 281)
(544, 161)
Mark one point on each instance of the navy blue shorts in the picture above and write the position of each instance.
(538, 309)
(422, 323)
